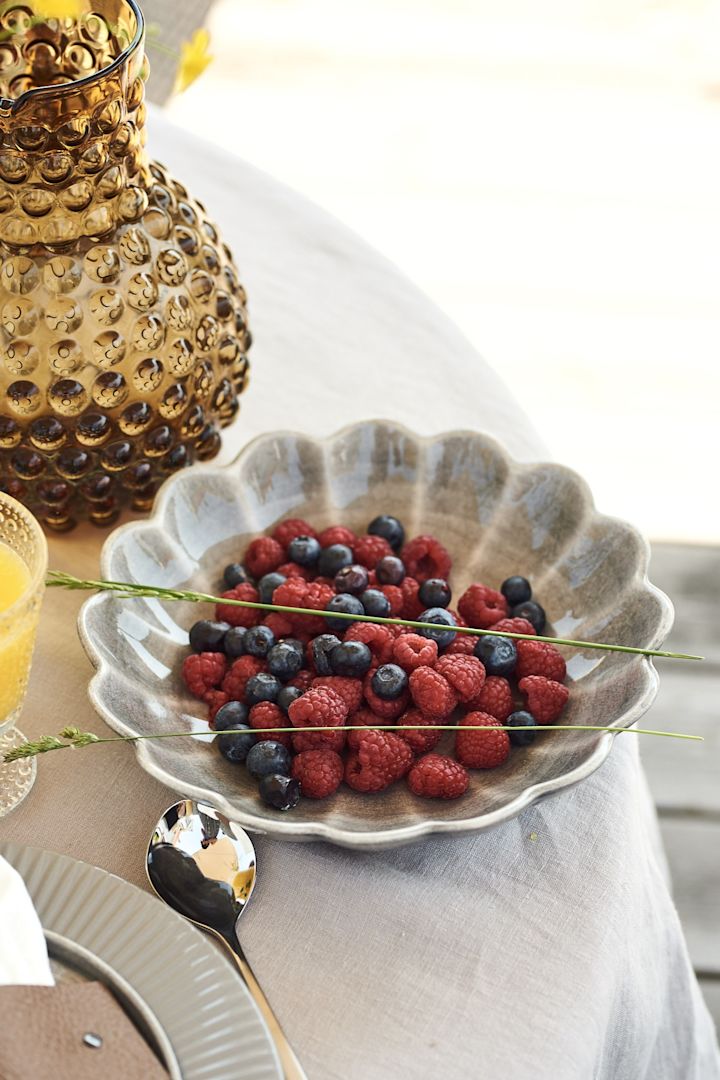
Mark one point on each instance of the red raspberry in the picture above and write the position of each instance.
(395, 598)
(203, 671)
(413, 651)
(303, 680)
(263, 555)
(320, 706)
(214, 699)
(337, 534)
(377, 759)
(495, 698)
(316, 597)
(236, 679)
(425, 557)
(369, 550)
(366, 717)
(291, 594)
(293, 569)
(379, 639)
(320, 772)
(412, 608)
(482, 606)
(422, 738)
(268, 715)
(288, 530)
(481, 749)
(279, 624)
(318, 740)
(239, 616)
(320, 580)
(350, 690)
(465, 674)
(386, 710)
(432, 693)
(539, 658)
(514, 626)
(436, 776)
(545, 698)
(463, 645)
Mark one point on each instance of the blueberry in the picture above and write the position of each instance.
(322, 646)
(443, 618)
(344, 602)
(531, 611)
(235, 574)
(287, 695)
(304, 550)
(258, 641)
(231, 714)
(521, 719)
(375, 603)
(352, 579)
(390, 528)
(284, 661)
(208, 636)
(268, 757)
(498, 654)
(262, 687)
(281, 792)
(351, 658)
(435, 592)
(236, 746)
(267, 585)
(234, 643)
(390, 570)
(389, 681)
(516, 590)
(295, 644)
(333, 559)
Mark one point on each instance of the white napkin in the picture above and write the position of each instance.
(23, 953)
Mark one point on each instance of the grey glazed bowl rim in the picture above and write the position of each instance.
(284, 827)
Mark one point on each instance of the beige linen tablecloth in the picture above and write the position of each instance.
(546, 948)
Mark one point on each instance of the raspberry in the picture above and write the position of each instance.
(350, 690)
(545, 698)
(242, 670)
(372, 580)
(303, 680)
(385, 709)
(481, 749)
(291, 594)
(465, 674)
(482, 606)
(316, 597)
(239, 616)
(203, 671)
(514, 626)
(318, 740)
(425, 557)
(320, 772)
(432, 693)
(412, 651)
(337, 534)
(539, 658)
(495, 698)
(422, 738)
(268, 715)
(263, 555)
(463, 645)
(395, 598)
(369, 550)
(379, 639)
(288, 530)
(214, 699)
(366, 717)
(436, 776)
(377, 759)
(293, 569)
(318, 707)
(279, 624)
(412, 607)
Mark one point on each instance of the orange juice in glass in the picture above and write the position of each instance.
(23, 565)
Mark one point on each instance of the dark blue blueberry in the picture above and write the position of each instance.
(262, 687)
(333, 559)
(304, 550)
(284, 661)
(268, 757)
(296, 645)
(498, 654)
(258, 641)
(389, 681)
(516, 590)
(267, 585)
(236, 746)
(352, 659)
(322, 646)
(234, 643)
(351, 605)
(531, 611)
(287, 695)
(352, 579)
(390, 570)
(435, 592)
(235, 574)
(280, 792)
(441, 618)
(231, 714)
(390, 528)
(208, 636)
(375, 603)
(521, 719)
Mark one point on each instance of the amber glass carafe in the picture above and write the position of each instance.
(123, 323)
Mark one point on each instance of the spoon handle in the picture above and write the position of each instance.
(292, 1069)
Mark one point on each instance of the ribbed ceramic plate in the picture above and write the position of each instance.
(496, 516)
(183, 994)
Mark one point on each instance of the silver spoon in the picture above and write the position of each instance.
(203, 865)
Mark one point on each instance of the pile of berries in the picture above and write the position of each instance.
(257, 670)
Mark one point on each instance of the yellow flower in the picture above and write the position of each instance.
(58, 9)
(194, 59)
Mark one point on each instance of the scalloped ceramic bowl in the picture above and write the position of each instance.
(496, 517)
